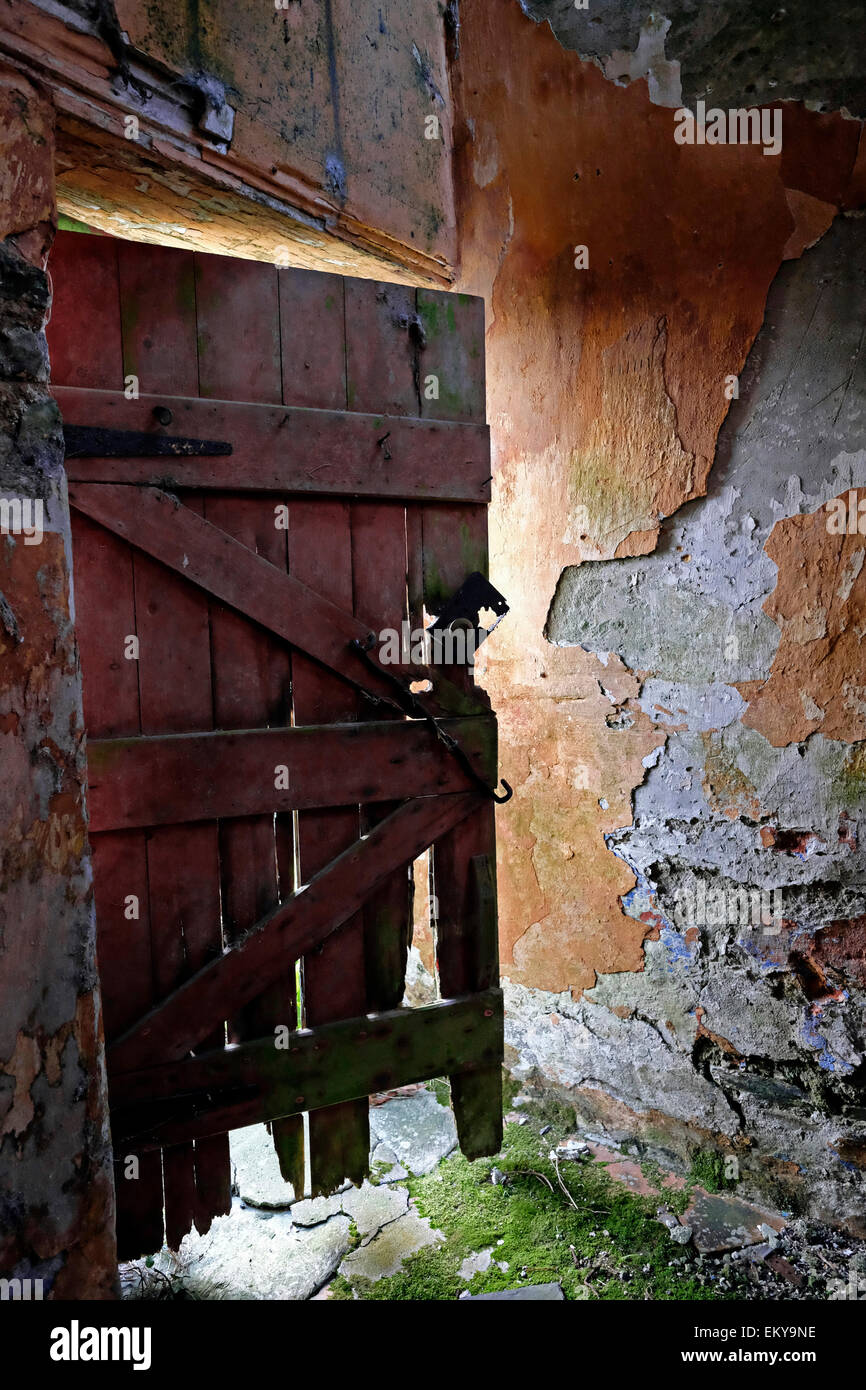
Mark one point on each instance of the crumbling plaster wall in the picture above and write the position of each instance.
(680, 680)
(56, 1193)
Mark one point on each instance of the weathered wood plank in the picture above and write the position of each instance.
(87, 272)
(237, 310)
(318, 1067)
(320, 554)
(379, 579)
(197, 777)
(467, 959)
(312, 334)
(288, 450)
(454, 545)
(381, 375)
(381, 348)
(158, 319)
(451, 368)
(298, 926)
(240, 359)
(85, 291)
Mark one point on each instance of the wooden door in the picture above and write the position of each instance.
(268, 469)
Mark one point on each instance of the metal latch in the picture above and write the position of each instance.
(475, 595)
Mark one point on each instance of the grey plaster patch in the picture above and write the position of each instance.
(749, 1016)
(372, 1207)
(636, 1060)
(648, 60)
(416, 1128)
(728, 52)
(384, 1255)
(709, 705)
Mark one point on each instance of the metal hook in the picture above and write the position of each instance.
(501, 800)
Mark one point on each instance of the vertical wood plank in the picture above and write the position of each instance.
(86, 350)
(379, 570)
(239, 333)
(312, 332)
(452, 353)
(382, 348)
(237, 306)
(157, 298)
(320, 555)
(312, 317)
(454, 545)
(84, 329)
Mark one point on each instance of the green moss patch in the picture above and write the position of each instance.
(598, 1240)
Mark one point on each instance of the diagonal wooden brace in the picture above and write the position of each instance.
(297, 926)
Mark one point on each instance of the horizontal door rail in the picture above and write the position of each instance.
(256, 1082)
(174, 778)
(287, 449)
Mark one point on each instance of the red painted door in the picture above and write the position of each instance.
(265, 467)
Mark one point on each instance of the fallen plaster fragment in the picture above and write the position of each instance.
(416, 1128)
(372, 1207)
(723, 1223)
(384, 1255)
(252, 1255)
(476, 1264)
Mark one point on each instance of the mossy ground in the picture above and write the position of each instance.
(708, 1171)
(607, 1245)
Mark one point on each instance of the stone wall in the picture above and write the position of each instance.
(56, 1193)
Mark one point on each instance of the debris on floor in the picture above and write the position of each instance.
(556, 1215)
(533, 1293)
